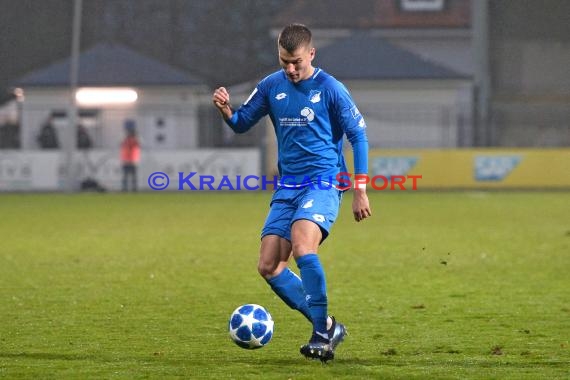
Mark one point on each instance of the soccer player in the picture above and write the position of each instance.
(311, 112)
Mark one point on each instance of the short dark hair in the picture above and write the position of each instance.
(294, 36)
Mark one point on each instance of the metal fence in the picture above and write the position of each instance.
(531, 124)
(513, 124)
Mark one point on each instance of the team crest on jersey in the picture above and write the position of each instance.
(315, 96)
(281, 96)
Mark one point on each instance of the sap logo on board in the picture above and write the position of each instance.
(494, 168)
(391, 166)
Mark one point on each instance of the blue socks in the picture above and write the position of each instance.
(306, 294)
(288, 286)
(313, 280)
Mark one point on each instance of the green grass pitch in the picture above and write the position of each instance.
(467, 285)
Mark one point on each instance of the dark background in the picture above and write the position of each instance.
(196, 36)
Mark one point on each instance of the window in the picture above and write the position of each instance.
(422, 5)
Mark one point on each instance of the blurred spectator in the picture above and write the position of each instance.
(130, 156)
(83, 138)
(47, 139)
(9, 134)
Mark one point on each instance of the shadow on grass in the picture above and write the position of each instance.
(290, 362)
(386, 363)
(460, 363)
(45, 356)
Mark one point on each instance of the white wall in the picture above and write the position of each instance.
(410, 114)
(176, 107)
(45, 170)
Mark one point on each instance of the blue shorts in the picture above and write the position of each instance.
(288, 205)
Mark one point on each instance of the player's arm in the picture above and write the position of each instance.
(242, 119)
(360, 204)
(355, 128)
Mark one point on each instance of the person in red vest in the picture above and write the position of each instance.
(130, 156)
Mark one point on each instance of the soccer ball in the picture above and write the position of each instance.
(251, 326)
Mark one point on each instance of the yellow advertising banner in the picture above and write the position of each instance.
(496, 168)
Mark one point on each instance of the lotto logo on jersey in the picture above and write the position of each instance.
(319, 217)
(494, 168)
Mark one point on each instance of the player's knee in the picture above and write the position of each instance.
(269, 269)
(302, 248)
(266, 269)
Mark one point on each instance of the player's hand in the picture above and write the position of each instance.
(360, 205)
(221, 99)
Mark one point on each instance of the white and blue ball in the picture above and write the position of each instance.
(251, 326)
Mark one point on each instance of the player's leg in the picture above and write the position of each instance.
(305, 238)
(273, 260)
(284, 282)
(312, 222)
(134, 178)
(129, 177)
(125, 177)
(275, 253)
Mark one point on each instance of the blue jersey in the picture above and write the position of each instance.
(310, 119)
